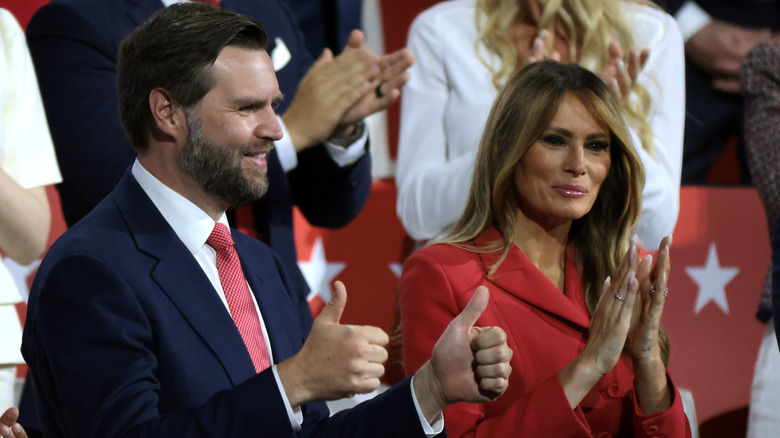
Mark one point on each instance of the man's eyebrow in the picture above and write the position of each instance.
(252, 102)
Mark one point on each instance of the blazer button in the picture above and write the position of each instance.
(613, 390)
(652, 430)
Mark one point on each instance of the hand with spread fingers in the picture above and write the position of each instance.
(392, 77)
(643, 347)
(539, 51)
(618, 76)
(609, 328)
(9, 428)
(329, 89)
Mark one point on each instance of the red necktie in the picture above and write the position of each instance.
(242, 309)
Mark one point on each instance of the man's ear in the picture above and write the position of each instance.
(168, 120)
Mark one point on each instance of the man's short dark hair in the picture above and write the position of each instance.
(174, 50)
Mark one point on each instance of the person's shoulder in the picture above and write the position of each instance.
(648, 22)
(444, 254)
(452, 12)
(93, 19)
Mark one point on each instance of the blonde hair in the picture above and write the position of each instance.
(521, 113)
(591, 26)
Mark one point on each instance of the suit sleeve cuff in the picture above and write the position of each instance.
(691, 18)
(431, 430)
(344, 155)
(285, 149)
(295, 417)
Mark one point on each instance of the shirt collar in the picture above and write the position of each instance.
(189, 222)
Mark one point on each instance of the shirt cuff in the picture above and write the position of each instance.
(285, 149)
(295, 417)
(431, 430)
(344, 156)
(691, 18)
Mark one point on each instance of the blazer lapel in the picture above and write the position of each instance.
(519, 277)
(183, 281)
(279, 313)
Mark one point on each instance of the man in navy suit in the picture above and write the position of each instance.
(130, 330)
(718, 34)
(321, 166)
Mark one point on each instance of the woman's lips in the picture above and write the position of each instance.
(572, 191)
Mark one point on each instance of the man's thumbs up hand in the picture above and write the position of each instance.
(468, 364)
(336, 361)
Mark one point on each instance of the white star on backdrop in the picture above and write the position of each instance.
(712, 280)
(318, 272)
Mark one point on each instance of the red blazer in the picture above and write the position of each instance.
(546, 329)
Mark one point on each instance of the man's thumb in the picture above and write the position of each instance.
(332, 311)
(475, 307)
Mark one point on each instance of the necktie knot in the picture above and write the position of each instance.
(220, 237)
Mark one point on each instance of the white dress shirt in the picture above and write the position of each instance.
(448, 98)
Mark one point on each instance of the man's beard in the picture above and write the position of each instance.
(217, 169)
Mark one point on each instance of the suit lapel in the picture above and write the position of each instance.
(519, 277)
(183, 281)
(262, 274)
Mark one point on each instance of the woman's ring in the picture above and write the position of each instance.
(378, 91)
(666, 291)
(652, 289)
(618, 296)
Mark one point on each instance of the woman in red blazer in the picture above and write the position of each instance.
(548, 230)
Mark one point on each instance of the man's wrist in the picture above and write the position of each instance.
(348, 135)
(427, 391)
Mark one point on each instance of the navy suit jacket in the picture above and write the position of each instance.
(74, 45)
(125, 336)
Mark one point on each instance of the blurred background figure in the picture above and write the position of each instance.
(465, 51)
(27, 165)
(326, 23)
(760, 81)
(718, 34)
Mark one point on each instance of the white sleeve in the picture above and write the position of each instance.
(664, 78)
(691, 18)
(26, 149)
(432, 188)
(343, 156)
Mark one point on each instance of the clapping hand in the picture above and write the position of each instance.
(652, 389)
(609, 327)
(618, 76)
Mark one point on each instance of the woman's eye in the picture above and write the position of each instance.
(554, 140)
(597, 146)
